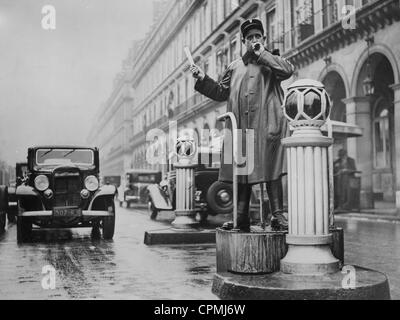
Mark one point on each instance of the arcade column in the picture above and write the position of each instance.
(396, 89)
(358, 111)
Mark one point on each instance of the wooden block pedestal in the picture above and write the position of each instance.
(248, 269)
(255, 252)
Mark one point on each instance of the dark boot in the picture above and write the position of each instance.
(243, 222)
(275, 194)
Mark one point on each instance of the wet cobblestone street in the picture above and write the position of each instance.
(125, 268)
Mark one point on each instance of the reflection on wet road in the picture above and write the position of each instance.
(374, 245)
(123, 268)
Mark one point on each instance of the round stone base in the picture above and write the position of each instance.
(368, 285)
(309, 259)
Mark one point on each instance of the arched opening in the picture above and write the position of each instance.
(382, 116)
(336, 89)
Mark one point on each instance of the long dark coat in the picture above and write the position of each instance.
(252, 87)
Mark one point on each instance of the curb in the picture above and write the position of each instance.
(368, 217)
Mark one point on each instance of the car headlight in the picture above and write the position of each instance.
(41, 182)
(91, 183)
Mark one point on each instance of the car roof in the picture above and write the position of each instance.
(62, 147)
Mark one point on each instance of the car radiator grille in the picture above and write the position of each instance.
(67, 191)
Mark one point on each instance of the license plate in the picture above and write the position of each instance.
(67, 212)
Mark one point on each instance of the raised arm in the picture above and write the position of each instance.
(282, 68)
(218, 91)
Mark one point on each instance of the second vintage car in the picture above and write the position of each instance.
(133, 189)
(62, 190)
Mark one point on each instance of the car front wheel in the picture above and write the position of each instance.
(3, 207)
(220, 197)
(109, 225)
(2, 221)
(24, 229)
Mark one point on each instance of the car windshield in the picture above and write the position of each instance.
(64, 156)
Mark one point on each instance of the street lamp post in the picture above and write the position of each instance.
(185, 212)
(307, 106)
(368, 83)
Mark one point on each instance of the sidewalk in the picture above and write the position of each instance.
(389, 215)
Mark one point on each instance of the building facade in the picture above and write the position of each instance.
(341, 43)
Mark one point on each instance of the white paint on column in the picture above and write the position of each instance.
(309, 191)
(325, 190)
(290, 206)
(294, 184)
(300, 190)
(319, 190)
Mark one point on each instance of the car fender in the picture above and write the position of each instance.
(12, 194)
(107, 191)
(26, 191)
(159, 198)
(3, 198)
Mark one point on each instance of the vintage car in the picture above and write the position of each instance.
(21, 173)
(62, 191)
(114, 180)
(133, 189)
(212, 197)
(3, 207)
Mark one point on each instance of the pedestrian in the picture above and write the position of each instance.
(252, 87)
(343, 170)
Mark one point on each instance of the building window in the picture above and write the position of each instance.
(220, 11)
(233, 52)
(221, 60)
(206, 65)
(326, 9)
(382, 152)
(207, 18)
(271, 28)
(178, 94)
(293, 20)
(213, 4)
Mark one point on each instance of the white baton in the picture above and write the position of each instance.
(188, 55)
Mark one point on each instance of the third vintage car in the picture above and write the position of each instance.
(62, 190)
(212, 197)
